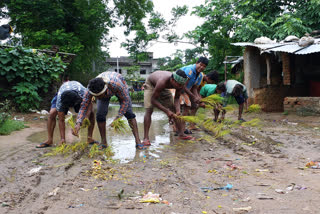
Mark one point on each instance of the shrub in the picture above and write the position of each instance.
(27, 74)
(11, 125)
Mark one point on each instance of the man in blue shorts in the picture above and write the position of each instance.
(235, 89)
(70, 94)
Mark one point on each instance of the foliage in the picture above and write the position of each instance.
(133, 73)
(10, 125)
(156, 25)
(4, 111)
(137, 96)
(228, 21)
(27, 75)
(78, 26)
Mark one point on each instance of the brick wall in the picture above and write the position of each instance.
(302, 105)
(286, 70)
(272, 98)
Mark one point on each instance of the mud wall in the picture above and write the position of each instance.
(271, 98)
(302, 105)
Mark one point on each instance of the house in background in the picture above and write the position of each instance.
(146, 67)
(283, 76)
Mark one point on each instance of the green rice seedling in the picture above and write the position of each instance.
(108, 153)
(190, 119)
(85, 123)
(120, 126)
(62, 149)
(79, 146)
(213, 99)
(95, 151)
(252, 123)
(254, 108)
(228, 108)
(70, 121)
(207, 138)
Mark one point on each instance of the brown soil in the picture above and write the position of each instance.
(256, 161)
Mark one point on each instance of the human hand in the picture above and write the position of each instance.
(113, 122)
(76, 129)
(202, 105)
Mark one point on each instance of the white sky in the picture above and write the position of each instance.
(185, 24)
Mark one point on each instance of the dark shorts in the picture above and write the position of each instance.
(54, 101)
(102, 110)
(240, 99)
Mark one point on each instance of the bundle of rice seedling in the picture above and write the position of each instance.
(213, 100)
(190, 119)
(254, 108)
(120, 126)
(85, 123)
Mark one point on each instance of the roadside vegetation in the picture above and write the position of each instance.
(7, 124)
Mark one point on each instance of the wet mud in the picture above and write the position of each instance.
(257, 161)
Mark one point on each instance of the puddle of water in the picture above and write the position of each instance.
(123, 145)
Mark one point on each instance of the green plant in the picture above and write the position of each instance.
(137, 96)
(114, 99)
(11, 125)
(4, 112)
(27, 75)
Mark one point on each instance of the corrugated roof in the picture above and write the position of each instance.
(290, 47)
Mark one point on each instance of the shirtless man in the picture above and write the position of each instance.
(157, 94)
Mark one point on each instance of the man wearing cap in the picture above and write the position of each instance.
(103, 87)
(70, 94)
(157, 94)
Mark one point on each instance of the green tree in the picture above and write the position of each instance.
(151, 31)
(228, 21)
(77, 26)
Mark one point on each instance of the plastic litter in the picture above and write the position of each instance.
(54, 192)
(34, 170)
(150, 198)
(77, 206)
(313, 165)
(240, 209)
(262, 170)
(44, 112)
(226, 187)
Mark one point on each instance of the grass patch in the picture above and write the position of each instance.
(11, 125)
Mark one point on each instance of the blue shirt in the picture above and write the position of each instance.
(191, 72)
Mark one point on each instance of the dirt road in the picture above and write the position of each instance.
(264, 167)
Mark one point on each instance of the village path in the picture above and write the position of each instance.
(265, 166)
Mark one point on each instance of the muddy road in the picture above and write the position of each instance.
(251, 170)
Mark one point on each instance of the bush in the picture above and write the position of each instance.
(4, 112)
(136, 96)
(11, 125)
(27, 74)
